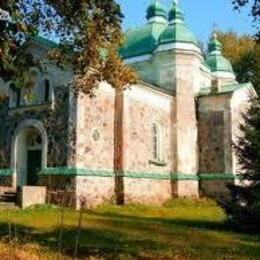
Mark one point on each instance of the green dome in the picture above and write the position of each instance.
(177, 30)
(156, 9)
(176, 13)
(144, 40)
(141, 41)
(216, 61)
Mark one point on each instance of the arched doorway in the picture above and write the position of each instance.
(29, 152)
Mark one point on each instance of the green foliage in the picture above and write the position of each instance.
(248, 145)
(254, 6)
(244, 208)
(84, 28)
(91, 28)
(12, 33)
(244, 54)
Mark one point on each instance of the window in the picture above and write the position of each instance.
(34, 141)
(18, 97)
(15, 96)
(46, 90)
(157, 142)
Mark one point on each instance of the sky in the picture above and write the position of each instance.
(202, 16)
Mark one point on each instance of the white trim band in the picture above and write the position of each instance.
(138, 59)
(178, 45)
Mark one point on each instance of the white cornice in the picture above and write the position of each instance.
(157, 19)
(224, 74)
(137, 59)
(179, 46)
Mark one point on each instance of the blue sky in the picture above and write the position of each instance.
(201, 15)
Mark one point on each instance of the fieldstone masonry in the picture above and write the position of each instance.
(31, 196)
(170, 136)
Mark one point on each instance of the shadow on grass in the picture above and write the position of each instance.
(96, 242)
(116, 234)
(186, 223)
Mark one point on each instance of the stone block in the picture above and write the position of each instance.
(147, 191)
(32, 195)
(185, 189)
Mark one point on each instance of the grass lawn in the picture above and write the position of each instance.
(181, 229)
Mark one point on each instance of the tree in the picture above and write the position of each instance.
(92, 28)
(254, 11)
(244, 208)
(15, 24)
(90, 36)
(244, 54)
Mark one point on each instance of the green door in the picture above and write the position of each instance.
(34, 164)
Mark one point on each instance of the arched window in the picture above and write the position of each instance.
(157, 142)
(34, 140)
(46, 90)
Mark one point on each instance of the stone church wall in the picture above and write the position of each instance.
(95, 190)
(215, 147)
(239, 104)
(215, 143)
(143, 108)
(95, 130)
(95, 145)
(54, 120)
(147, 191)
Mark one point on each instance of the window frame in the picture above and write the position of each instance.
(157, 142)
(47, 90)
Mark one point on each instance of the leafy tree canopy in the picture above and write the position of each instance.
(244, 54)
(254, 6)
(89, 32)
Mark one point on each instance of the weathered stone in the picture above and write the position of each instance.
(31, 196)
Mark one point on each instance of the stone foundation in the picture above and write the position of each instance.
(60, 189)
(6, 181)
(32, 195)
(216, 189)
(147, 191)
(185, 188)
(94, 190)
(99, 190)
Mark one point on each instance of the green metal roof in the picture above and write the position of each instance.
(142, 40)
(216, 61)
(155, 9)
(177, 31)
(176, 13)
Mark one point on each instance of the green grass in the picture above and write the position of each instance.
(181, 229)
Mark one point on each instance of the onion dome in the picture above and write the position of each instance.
(144, 40)
(177, 30)
(156, 9)
(216, 61)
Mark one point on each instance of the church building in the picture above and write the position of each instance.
(168, 136)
